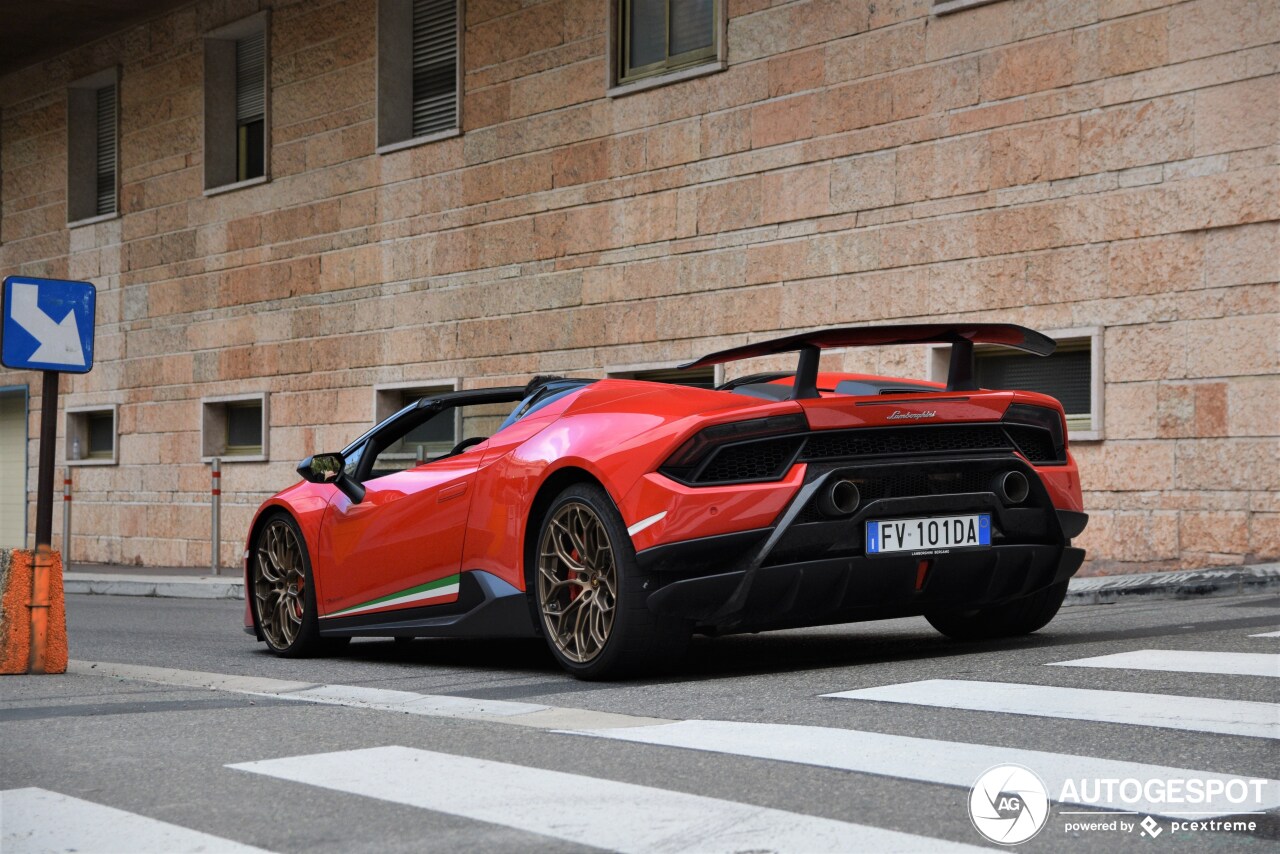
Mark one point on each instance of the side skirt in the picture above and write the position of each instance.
(486, 607)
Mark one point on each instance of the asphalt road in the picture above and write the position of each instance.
(779, 766)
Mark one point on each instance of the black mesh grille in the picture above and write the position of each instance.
(760, 460)
(844, 444)
(1035, 444)
(907, 484)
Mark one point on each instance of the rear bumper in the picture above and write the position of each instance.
(804, 570)
(844, 590)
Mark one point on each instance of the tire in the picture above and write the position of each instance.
(1011, 619)
(592, 610)
(284, 598)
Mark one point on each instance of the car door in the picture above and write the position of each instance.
(401, 545)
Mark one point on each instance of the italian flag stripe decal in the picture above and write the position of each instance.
(443, 588)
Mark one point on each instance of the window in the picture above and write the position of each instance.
(91, 148)
(433, 437)
(697, 377)
(662, 37)
(13, 467)
(235, 428)
(430, 439)
(91, 436)
(424, 436)
(1073, 375)
(419, 75)
(244, 428)
(236, 121)
(251, 98)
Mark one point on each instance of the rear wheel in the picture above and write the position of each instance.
(589, 596)
(284, 599)
(1019, 617)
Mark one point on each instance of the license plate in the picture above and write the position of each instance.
(928, 534)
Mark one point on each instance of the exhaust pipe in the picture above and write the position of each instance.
(840, 498)
(1013, 487)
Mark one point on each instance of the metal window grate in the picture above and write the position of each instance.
(106, 150)
(251, 90)
(435, 66)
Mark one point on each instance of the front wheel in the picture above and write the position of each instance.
(1019, 617)
(284, 599)
(588, 594)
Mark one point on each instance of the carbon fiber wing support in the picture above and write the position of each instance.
(961, 337)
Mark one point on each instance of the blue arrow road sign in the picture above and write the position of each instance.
(47, 325)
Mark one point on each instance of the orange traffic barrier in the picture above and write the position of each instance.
(33, 615)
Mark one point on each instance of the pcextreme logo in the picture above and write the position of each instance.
(1009, 804)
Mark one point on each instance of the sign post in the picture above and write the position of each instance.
(216, 497)
(46, 325)
(66, 514)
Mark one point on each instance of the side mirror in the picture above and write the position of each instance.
(329, 468)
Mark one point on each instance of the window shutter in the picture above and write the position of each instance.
(435, 66)
(1064, 375)
(692, 23)
(106, 160)
(251, 90)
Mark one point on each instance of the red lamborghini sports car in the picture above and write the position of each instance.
(615, 517)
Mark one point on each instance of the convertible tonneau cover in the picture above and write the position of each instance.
(961, 337)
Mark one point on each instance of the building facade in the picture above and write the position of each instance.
(301, 213)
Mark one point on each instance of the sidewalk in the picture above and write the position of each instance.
(169, 582)
(197, 583)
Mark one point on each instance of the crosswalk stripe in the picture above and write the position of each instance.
(39, 820)
(927, 760)
(1186, 661)
(1267, 635)
(1196, 714)
(607, 814)
(363, 697)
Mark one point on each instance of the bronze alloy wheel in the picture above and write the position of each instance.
(279, 584)
(577, 582)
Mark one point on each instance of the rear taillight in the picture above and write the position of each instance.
(1036, 445)
(700, 446)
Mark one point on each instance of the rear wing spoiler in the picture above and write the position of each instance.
(961, 337)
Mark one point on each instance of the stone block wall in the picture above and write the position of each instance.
(1057, 163)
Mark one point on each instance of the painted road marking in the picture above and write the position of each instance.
(1186, 661)
(1196, 714)
(944, 762)
(1267, 635)
(607, 814)
(378, 699)
(40, 820)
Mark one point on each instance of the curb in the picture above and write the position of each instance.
(1100, 590)
(1187, 584)
(162, 586)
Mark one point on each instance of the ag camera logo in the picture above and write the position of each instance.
(1009, 804)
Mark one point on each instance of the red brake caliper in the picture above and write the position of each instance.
(574, 591)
